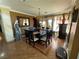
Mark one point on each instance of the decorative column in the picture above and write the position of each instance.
(6, 24)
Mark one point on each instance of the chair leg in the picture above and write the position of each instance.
(46, 44)
(48, 41)
(29, 41)
(33, 44)
(26, 40)
(51, 40)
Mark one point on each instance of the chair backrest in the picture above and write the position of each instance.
(26, 33)
(31, 36)
(48, 33)
(51, 32)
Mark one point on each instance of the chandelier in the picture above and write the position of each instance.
(38, 11)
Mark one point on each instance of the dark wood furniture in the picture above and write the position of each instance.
(47, 38)
(32, 38)
(62, 31)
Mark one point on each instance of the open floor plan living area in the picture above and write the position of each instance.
(39, 29)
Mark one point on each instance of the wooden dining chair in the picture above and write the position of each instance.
(32, 38)
(47, 38)
(26, 34)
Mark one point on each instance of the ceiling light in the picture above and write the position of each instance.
(39, 11)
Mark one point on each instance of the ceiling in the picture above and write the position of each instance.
(47, 7)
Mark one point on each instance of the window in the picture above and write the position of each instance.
(44, 23)
(25, 21)
(50, 23)
(55, 24)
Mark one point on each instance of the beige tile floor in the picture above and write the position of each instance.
(22, 50)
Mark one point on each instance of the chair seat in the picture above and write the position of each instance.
(43, 38)
(35, 39)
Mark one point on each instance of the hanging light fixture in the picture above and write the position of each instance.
(38, 11)
(39, 16)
